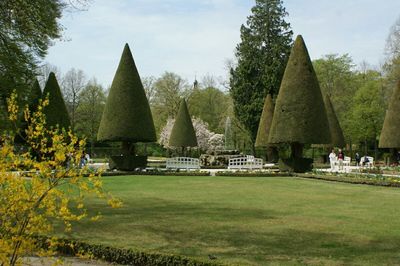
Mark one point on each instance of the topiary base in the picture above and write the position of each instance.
(297, 165)
(127, 162)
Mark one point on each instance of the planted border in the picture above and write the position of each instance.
(374, 180)
(122, 256)
(252, 174)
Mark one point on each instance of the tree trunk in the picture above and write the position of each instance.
(297, 150)
(128, 148)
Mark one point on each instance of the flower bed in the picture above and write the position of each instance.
(371, 179)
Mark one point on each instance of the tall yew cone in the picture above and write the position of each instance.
(264, 128)
(300, 116)
(56, 112)
(34, 97)
(390, 134)
(265, 122)
(337, 138)
(183, 134)
(127, 116)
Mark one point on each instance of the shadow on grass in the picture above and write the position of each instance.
(232, 234)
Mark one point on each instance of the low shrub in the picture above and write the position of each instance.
(118, 255)
(157, 172)
(375, 180)
(252, 174)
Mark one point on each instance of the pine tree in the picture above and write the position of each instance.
(337, 138)
(127, 116)
(261, 59)
(56, 112)
(300, 115)
(390, 134)
(183, 134)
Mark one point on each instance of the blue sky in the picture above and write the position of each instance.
(197, 37)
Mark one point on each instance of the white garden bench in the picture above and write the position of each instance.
(370, 162)
(247, 162)
(182, 163)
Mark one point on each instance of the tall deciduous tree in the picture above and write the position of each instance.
(211, 105)
(88, 114)
(169, 89)
(261, 59)
(73, 83)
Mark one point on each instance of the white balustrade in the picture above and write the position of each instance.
(182, 163)
(248, 162)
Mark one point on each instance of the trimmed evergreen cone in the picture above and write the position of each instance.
(264, 128)
(300, 116)
(127, 115)
(334, 126)
(265, 122)
(183, 134)
(56, 112)
(390, 134)
(33, 102)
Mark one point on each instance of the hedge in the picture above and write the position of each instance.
(252, 174)
(161, 173)
(71, 247)
(374, 180)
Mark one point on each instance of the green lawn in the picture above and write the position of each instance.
(251, 220)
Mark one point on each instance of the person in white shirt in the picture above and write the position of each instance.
(332, 159)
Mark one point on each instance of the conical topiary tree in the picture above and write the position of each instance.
(183, 134)
(390, 134)
(127, 117)
(264, 128)
(337, 138)
(300, 116)
(56, 112)
(34, 97)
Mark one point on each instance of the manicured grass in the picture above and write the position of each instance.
(250, 220)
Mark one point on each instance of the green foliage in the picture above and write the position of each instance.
(250, 220)
(33, 102)
(167, 92)
(300, 115)
(27, 28)
(251, 174)
(127, 115)
(261, 60)
(34, 96)
(210, 105)
(337, 138)
(183, 134)
(56, 112)
(390, 134)
(118, 255)
(368, 111)
(364, 179)
(92, 100)
(338, 79)
(265, 122)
